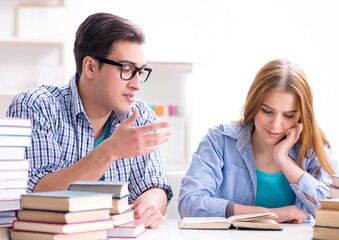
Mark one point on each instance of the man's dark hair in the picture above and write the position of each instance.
(98, 33)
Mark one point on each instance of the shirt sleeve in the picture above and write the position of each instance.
(147, 171)
(313, 184)
(198, 191)
(44, 152)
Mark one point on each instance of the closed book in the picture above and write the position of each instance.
(12, 153)
(329, 233)
(11, 204)
(119, 205)
(62, 217)
(118, 189)
(123, 218)
(13, 174)
(93, 235)
(19, 164)
(4, 233)
(329, 204)
(15, 130)
(11, 193)
(67, 201)
(258, 221)
(15, 122)
(335, 181)
(7, 220)
(327, 218)
(129, 230)
(13, 183)
(62, 227)
(15, 140)
(333, 191)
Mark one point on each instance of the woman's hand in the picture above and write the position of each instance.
(290, 213)
(292, 136)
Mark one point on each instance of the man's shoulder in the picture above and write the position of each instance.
(40, 95)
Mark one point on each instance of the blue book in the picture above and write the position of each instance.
(116, 188)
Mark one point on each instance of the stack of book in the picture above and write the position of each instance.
(15, 136)
(327, 216)
(61, 215)
(121, 212)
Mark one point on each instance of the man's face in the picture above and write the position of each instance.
(110, 91)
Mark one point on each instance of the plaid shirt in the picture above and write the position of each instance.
(62, 134)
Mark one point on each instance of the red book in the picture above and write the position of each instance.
(129, 230)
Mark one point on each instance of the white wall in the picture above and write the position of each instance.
(231, 40)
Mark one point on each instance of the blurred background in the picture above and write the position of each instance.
(205, 55)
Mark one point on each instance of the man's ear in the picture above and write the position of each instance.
(89, 66)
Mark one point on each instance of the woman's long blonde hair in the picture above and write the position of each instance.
(283, 75)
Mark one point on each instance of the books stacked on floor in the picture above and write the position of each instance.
(121, 212)
(15, 136)
(327, 216)
(61, 215)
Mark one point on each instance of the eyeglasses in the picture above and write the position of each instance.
(127, 71)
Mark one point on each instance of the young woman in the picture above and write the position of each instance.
(275, 159)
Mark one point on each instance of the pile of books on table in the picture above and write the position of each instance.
(123, 216)
(61, 215)
(15, 136)
(327, 216)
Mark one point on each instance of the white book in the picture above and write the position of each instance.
(13, 174)
(12, 153)
(13, 130)
(20, 164)
(12, 140)
(13, 183)
(12, 121)
(11, 193)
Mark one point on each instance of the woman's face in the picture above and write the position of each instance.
(278, 112)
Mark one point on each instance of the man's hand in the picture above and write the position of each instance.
(147, 212)
(128, 141)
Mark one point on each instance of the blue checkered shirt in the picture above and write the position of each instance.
(62, 134)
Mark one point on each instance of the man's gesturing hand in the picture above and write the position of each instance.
(128, 141)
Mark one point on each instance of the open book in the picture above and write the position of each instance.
(260, 221)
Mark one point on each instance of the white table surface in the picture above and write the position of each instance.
(169, 231)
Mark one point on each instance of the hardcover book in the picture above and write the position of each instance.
(327, 218)
(119, 205)
(123, 218)
(66, 228)
(320, 232)
(8, 153)
(117, 189)
(15, 122)
(93, 235)
(259, 221)
(129, 230)
(70, 201)
(329, 204)
(62, 217)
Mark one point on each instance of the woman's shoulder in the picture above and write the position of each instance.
(231, 129)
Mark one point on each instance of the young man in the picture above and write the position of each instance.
(94, 127)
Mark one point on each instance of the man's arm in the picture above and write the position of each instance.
(125, 142)
(151, 206)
